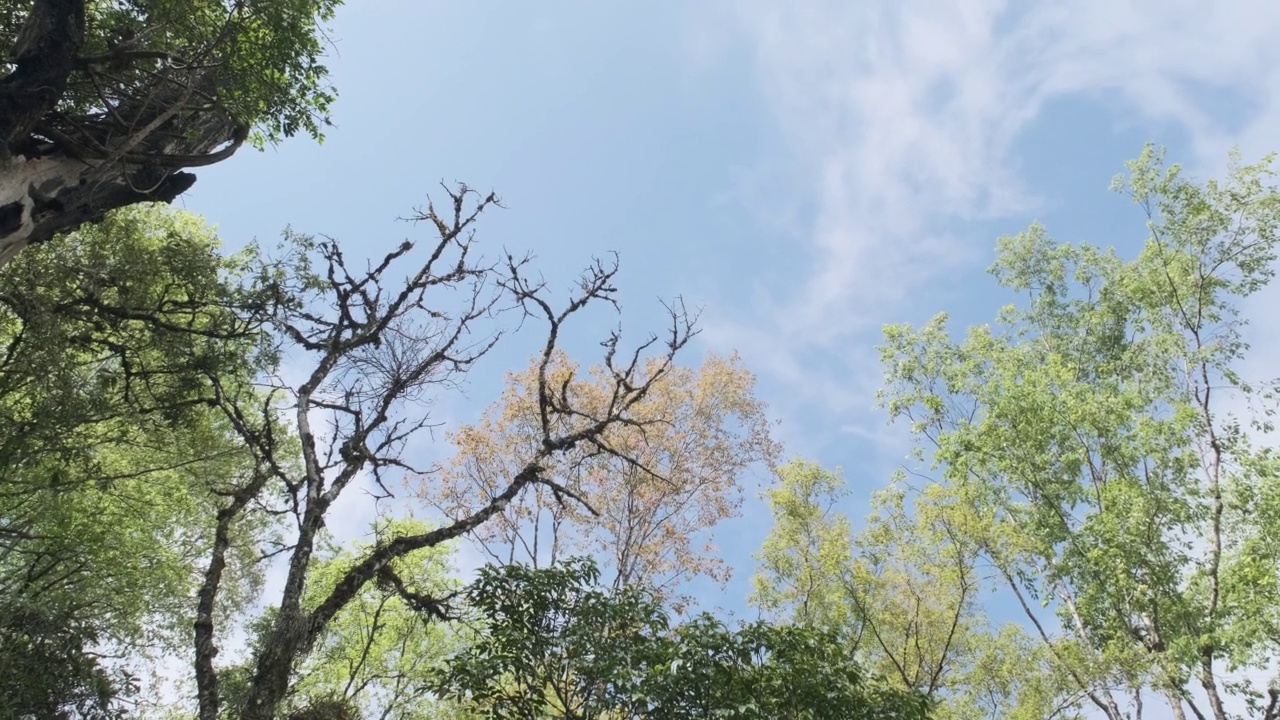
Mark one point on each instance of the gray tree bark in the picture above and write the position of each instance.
(59, 170)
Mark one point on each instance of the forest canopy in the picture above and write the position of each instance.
(1096, 455)
(287, 481)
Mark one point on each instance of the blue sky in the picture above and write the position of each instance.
(806, 171)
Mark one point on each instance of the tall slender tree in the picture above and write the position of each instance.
(1101, 447)
(372, 349)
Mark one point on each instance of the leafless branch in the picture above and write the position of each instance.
(379, 351)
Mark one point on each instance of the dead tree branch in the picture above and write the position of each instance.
(378, 350)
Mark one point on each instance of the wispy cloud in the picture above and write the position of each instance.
(904, 120)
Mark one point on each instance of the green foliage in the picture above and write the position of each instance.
(109, 455)
(534, 621)
(1100, 448)
(1100, 461)
(45, 667)
(807, 552)
(553, 644)
(266, 55)
(904, 591)
(763, 671)
(380, 652)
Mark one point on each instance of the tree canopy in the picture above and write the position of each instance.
(1099, 459)
(102, 104)
(1088, 524)
(112, 457)
(554, 644)
(649, 503)
(1100, 444)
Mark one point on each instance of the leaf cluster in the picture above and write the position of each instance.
(552, 643)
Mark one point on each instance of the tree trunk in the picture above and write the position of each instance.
(43, 196)
(59, 170)
(286, 644)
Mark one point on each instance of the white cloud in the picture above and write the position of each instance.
(903, 119)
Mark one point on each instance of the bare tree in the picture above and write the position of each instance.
(376, 349)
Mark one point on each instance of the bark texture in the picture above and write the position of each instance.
(66, 163)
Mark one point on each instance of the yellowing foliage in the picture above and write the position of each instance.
(673, 473)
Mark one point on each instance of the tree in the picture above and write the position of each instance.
(764, 671)
(368, 349)
(552, 643)
(1101, 448)
(808, 552)
(668, 478)
(379, 656)
(380, 651)
(47, 667)
(102, 104)
(110, 456)
(905, 591)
